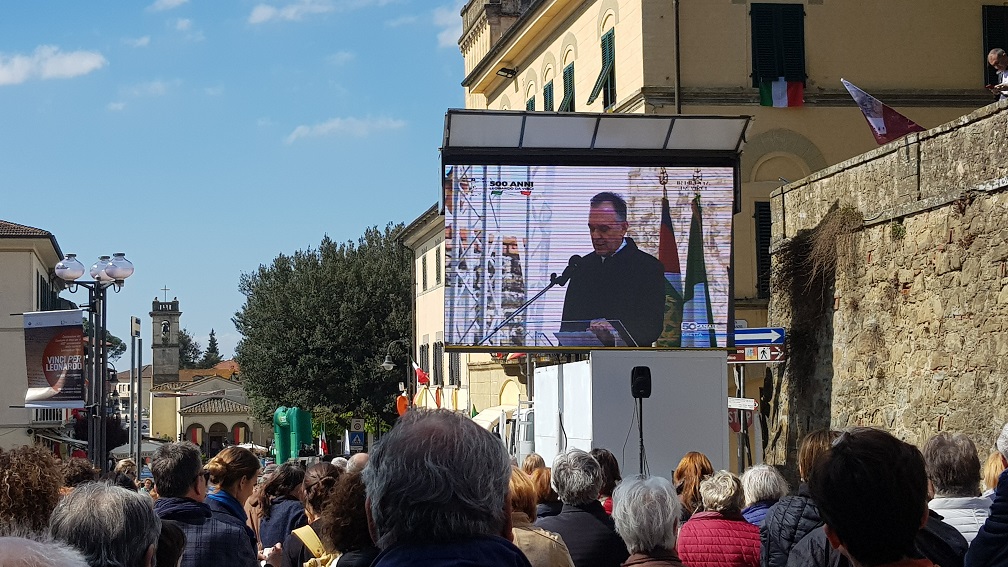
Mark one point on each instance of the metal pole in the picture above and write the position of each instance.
(92, 393)
(134, 422)
(103, 393)
(139, 405)
(740, 384)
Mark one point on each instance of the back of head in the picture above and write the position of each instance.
(109, 525)
(30, 482)
(127, 467)
(813, 446)
(532, 462)
(175, 467)
(319, 481)
(23, 552)
(285, 481)
(345, 525)
(871, 490)
(119, 479)
(952, 465)
(577, 477)
(610, 470)
(170, 544)
(763, 483)
(452, 473)
(992, 470)
(722, 492)
(231, 465)
(78, 471)
(357, 462)
(523, 493)
(541, 479)
(646, 512)
(1002, 441)
(692, 468)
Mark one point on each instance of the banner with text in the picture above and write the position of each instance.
(54, 352)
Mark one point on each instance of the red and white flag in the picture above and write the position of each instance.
(323, 445)
(886, 124)
(421, 376)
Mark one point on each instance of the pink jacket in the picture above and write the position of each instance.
(710, 539)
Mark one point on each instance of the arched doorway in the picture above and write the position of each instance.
(196, 434)
(241, 433)
(217, 439)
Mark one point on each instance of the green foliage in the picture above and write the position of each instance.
(189, 350)
(316, 324)
(211, 356)
(116, 346)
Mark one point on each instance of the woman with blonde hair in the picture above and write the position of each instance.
(992, 469)
(548, 500)
(692, 468)
(542, 548)
(234, 473)
(532, 462)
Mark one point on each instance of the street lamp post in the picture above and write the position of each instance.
(107, 272)
(390, 365)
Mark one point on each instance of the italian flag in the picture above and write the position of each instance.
(781, 93)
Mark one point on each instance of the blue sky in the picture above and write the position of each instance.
(204, 137)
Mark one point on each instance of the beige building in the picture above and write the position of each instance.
(709, 57)
(28, 256)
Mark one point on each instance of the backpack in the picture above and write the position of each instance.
(322, 558)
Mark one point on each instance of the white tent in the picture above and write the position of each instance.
(147, 449)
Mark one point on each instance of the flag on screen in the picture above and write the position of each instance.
(668, 255)
(886, 124)
(781, 94)
(421, 376)
(698, 315)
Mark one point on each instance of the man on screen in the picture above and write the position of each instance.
(617, 291)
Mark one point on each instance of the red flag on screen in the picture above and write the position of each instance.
(421, 376)
(886, 124)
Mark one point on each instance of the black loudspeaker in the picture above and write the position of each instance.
(640, 382)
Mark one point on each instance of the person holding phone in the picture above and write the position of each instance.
(998, 59)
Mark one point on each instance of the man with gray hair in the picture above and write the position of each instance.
(25, 552)
(437, 494)
(953, 471)
(109, 525)
(646, 512)
(582, 523)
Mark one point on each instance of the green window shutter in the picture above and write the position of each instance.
(995, 34)
(762, 218)
(567, 104)
(607, 66)
(548, 97)
(793, 41)
(778, 42)
(764, 59)
(609, 53)
(530, 104)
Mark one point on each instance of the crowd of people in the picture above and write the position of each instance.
(439, 490)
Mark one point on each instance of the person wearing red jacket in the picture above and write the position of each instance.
(719, 536)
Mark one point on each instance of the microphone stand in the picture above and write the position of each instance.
(554, 280)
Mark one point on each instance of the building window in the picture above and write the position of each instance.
(567, 104)
(48, 415)
(437, 266)
(762, 217)
(606, 82)
(778, 42)
(454, 369)
(423, 271)
(438, 364)
(530, 104)
(47, 298)
(548, 97)
(995, 30)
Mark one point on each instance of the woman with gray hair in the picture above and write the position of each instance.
(646, 512)
(763, 486)
(719, 536)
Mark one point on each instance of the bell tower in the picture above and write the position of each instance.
(165, 340)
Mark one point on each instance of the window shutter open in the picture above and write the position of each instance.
(548, 97)
(608, 56)
(530, 104)
(567, 104)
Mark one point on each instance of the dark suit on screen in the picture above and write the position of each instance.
(628, 287)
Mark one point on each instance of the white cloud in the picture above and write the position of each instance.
(48, 62)
(213, 91)
(162, 5)
(356, 127)
(401, 21)
(448, 20)
(115, 106)
(263, 13)
(151, 88)
(137, 42)
(183, 24)
(340, 58)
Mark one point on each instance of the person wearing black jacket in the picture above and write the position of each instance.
(990, 546)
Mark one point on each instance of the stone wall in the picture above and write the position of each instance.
(891, 271)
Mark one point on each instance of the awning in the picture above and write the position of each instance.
(489, 417)
(53, 435)
(147, 449)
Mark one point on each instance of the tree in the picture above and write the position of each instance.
(211, 356)
(189, 350)
(116, 347)
(315, 326)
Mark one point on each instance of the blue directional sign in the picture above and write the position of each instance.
(356, 438)
(759, 336)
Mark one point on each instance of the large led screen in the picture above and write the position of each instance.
(587, 256)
